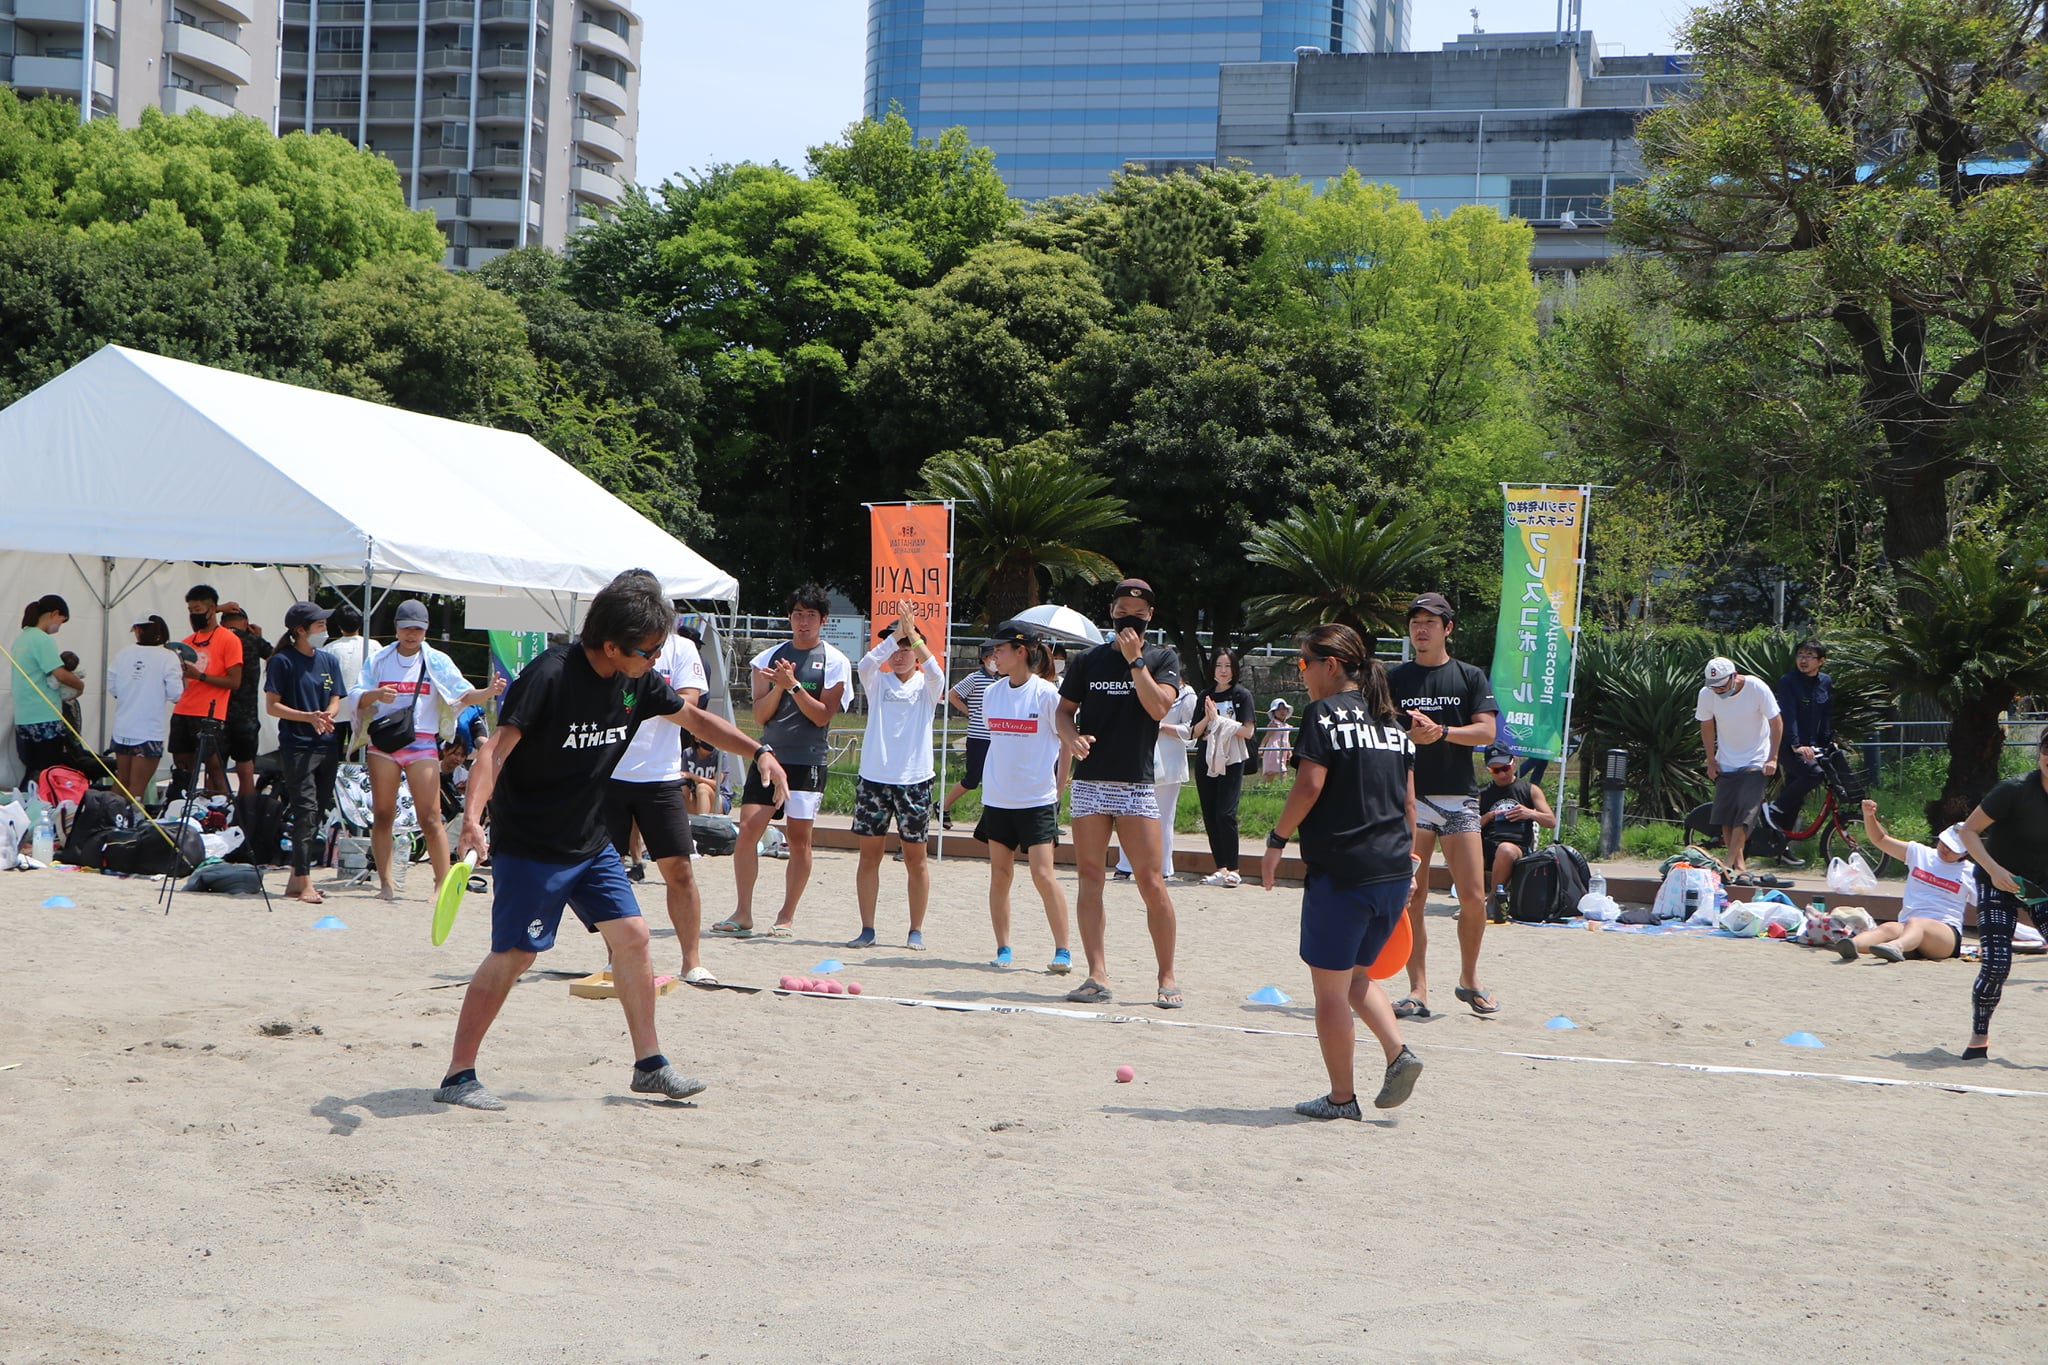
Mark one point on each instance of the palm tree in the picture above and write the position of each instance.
(1023, 512)
(1980, 645)
(1341, 567)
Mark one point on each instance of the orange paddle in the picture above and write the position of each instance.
(1394, 956)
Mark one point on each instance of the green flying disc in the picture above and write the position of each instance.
(450, 900)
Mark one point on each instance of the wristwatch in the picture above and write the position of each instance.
(1138, 662)
(1275, 839)
(763, 749)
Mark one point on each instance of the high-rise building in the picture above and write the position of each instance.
(513, 120)
(1537, 125)
(1067, 91)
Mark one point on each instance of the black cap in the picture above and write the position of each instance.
(1011, 633)
(1134, 587)
(1435, 603)
(304, 614)
(1499, 753)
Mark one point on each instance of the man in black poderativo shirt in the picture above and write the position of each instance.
(1451, 711)
(1111, 703)
(563, 727)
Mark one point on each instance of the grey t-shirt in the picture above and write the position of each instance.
(794, 738)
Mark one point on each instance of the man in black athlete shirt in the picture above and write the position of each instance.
(563, 727)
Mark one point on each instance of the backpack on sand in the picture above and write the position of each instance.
(1546, 885)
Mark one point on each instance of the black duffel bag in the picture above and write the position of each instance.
(101, 815)
(714, 836)
(162, 848)
(1546, 886)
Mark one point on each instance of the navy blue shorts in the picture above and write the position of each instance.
(1346, 926)
(528, 897)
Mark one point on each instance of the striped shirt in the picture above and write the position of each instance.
(969, 690)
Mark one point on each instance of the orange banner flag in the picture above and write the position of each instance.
(911, 550)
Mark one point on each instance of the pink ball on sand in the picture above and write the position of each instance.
(1125, 1075)
(789, 983)
(853, 988)
(834, 988)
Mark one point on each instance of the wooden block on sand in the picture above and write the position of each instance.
(599, 986)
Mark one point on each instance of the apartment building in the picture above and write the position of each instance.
(514, 121)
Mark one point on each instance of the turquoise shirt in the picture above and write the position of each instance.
(35, 653)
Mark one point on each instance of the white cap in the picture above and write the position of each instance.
(1719, 670)
(1952, 839)
(1276, 704)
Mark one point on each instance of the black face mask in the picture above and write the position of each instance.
(198, 620)
(1137, 623)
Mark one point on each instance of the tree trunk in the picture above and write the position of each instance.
(1976, 743)
(1914, 486)
(1012, 587)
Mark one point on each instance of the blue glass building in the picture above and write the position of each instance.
(1067, 91)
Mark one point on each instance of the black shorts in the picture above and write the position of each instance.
(1019, 829)
(977, 757)
(1489, 842)
(661, 809)
(184, 735)
(240, 741)
(806, 790)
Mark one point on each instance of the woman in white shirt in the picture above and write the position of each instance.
(143, 679)
(1020, 786)
(904, 685)
(1169, 775)
(1939, 887)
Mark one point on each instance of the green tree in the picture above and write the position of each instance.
(767, 286)
(1213, 430)
(1027, 518)
(602, 373)
(64, 294)
(944, 194)
(977, 355)
(1356, 569)
(412, 334)
(1979, 645)
(1446, 305)
(313, 206)
(1861, 184)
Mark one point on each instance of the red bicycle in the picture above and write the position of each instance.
(1838, 826)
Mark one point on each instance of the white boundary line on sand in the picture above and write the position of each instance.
(975, 1007)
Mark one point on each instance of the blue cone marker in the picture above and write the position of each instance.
(830, 964)
(1801, 1039)
(60, 903)
(328, 922)
(1270, 995)
(1558, 1021)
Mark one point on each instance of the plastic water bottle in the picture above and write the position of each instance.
(43, 844)
(1598, 885)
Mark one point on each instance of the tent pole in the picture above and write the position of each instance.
(106, 639)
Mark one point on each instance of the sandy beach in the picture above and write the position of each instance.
(187, 1180)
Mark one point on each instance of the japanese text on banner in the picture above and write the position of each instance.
(1539, 595)
(910, 552)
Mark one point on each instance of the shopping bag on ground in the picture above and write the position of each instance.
(1688, 893)
(1851, 876)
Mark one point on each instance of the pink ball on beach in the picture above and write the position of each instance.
(834, 988)
(1125, 1075)
(789, 983)
(853, 988)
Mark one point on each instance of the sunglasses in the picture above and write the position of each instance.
(639, 653)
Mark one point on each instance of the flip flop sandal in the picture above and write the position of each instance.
(1170, 999)
(1408, 1007)
(1481, 1001)
(725, 928)
(1089, 993)
(782, 931)
(1772, 879)
(1744, 879)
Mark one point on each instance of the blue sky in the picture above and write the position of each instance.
(740, 80)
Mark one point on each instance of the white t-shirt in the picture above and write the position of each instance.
(897, 749)
(143, 680)
(1022, 770)
(1742, 723)
(349, 651)
(1170, 755)
(440, 690)
(656, 753)
(1936, 889)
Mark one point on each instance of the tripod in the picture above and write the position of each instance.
(208, 744)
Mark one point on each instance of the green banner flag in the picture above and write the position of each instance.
(513, 650)
(1534, 645)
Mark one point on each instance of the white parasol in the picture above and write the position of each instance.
(1062, 624)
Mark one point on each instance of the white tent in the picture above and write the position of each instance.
(129, 469)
